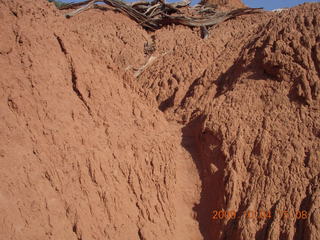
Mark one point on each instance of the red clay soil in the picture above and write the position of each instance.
(223, 125)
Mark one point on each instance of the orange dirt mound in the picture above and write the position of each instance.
(223, 125)
(225, 3)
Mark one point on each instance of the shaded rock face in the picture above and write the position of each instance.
(229, 124)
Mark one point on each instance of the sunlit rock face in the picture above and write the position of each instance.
(224, 3)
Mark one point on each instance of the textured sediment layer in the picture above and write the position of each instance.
(231, 122)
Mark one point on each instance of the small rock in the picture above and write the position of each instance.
(213, 168)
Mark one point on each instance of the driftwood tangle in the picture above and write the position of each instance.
(157, 13)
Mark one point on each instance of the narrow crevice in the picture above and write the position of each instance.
(205, 149)
(302, 224)
(140, 235)
(264, 232)
(74, 78)
(307, 159)
(315, 59)
(14, 13)
(61, 44)
(75, 231)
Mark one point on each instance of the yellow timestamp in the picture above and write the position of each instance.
(263, 214)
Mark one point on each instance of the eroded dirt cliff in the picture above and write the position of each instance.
(224, 3)
(89, 151)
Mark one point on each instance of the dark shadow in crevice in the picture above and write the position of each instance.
(294, 95)
(263, 233)
(169, 102)
(301, 225)
(205, 149)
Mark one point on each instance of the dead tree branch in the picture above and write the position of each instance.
(156, 14)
